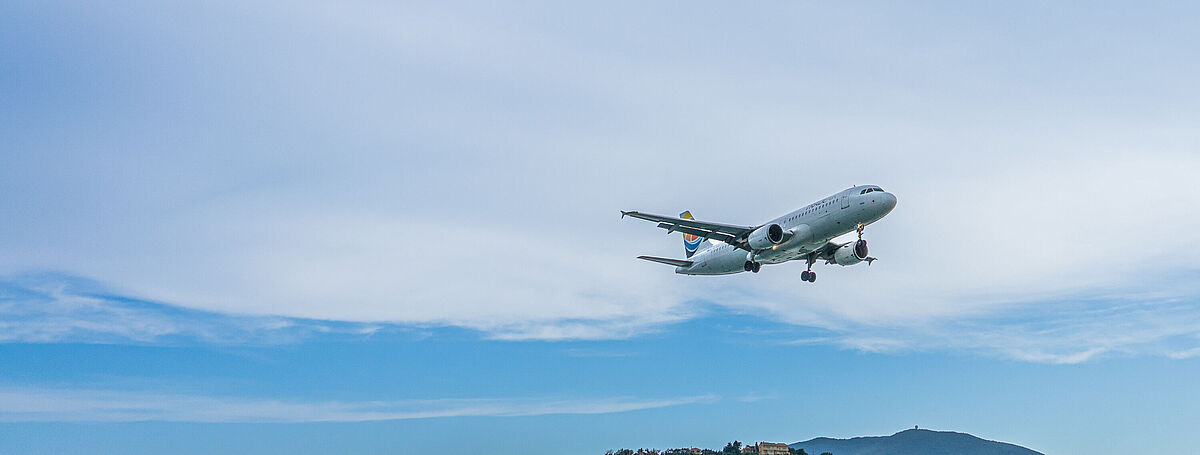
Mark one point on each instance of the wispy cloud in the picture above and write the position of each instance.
(72, 405)
(1065, 330)
(448, 199)
(52, 308)
(584, 329)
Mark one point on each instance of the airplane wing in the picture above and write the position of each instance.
(826, 252)
(728, 233)
(668, 261)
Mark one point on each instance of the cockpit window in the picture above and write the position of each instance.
(870, 190)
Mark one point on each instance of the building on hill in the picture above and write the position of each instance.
(771, 448)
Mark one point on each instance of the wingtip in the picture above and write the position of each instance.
(623, 213)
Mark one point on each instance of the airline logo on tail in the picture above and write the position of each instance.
(690, 242)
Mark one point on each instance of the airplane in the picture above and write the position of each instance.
(804, 234)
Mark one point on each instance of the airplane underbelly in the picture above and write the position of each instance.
(775, 256)
(790, 253)
(722, 264)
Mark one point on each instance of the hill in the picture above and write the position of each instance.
(913, 442)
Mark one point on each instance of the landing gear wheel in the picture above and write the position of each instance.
(757, 266)
(809, 275)
(748, 266)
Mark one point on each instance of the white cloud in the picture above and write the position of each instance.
(72, 405)
(60, 309)
(1184, 354)
(53, 309)
(462, 166)
(1065, 331)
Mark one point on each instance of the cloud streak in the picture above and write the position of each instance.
(54, 308)
(57, 308)
(422, 166)
(74, 405)
(1065, 330)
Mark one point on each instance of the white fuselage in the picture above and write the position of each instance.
(812, 227)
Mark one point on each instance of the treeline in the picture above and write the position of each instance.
(733, 448)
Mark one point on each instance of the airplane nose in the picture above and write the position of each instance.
(889, 201)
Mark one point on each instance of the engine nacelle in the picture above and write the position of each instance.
(768, 236)
(851, 253)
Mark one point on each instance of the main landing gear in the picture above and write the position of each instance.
(750, 266)
(809, 275)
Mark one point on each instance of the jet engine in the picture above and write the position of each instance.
(851, 253)
(768, 236)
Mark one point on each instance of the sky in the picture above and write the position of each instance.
(365, 227)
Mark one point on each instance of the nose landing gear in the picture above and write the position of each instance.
(859, 228)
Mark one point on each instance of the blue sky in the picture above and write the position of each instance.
(305, 227)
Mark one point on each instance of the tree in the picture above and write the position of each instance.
(732, 448)
(799, 451)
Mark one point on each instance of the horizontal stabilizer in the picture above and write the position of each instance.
(668, 261)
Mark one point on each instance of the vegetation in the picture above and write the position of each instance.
(732, 448)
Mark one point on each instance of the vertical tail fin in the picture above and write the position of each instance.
(691, 243)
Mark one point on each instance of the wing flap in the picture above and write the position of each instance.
(721, 236)
(668, 261)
